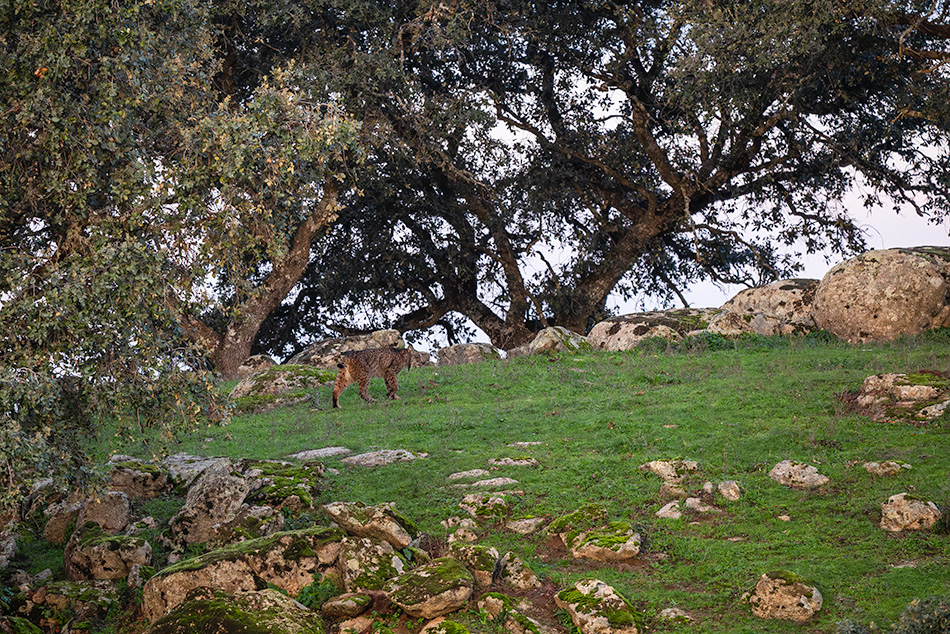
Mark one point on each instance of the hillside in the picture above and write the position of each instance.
(577, 427)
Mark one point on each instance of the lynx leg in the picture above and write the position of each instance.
(342, 380)
(363, 383)
(391, 386)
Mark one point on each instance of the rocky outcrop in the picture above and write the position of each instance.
(324, 353)
(914, 397)
(242, 613)
(382, 521)
(254, 365)
(279, 385)
(136, 479)
(368, 563)
(215, 498)
(670, 470)
(109, 509)
(881, 295)
(287, 560)
(903, 512)
(627, 331)
(465, 353)
(786, 596)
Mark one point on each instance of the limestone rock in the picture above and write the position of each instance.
(797, 475)
(670, 470)
(93, 554)
(68, 602)
(781, 595)
(287, 560)
(627, 331)
(886, 468)
(254, 365)
(248, 522)
(216, 497)
(137, 479)
(583, 519)
(383, 457)
(730, 490)
(109, 509)
(183, 469)
(696, 504)
(282, 484)
(382, 521)
(465, 475)
(244, 613)
(880, 295)
(347, 605)
(8, 543)
(368, 563)
(596, 608)
(513, 462)
(324, 353)
(482, 506)
(551, 340)
(62, 516)
(279, 385)
(525, 526)
(670, 511)
(787, 303)
(507, 611)
(465, 353)
(674, 614)
(432, 590)
(730, 324)
(616, 542)
(901, 512)
(517, 574)
(479, 560)
(318, 454)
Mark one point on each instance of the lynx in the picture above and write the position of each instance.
(359, 366)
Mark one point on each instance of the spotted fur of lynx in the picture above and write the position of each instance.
(359, 366)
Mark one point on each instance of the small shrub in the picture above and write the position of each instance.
(317, 593)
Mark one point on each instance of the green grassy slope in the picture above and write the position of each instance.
(737, 409)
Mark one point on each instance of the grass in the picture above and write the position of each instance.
(736, 408)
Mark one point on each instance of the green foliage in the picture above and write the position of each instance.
(317, 593)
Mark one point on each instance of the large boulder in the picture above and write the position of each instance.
(109, 509)
(783, 307)
(279, 385)
(253, 365)
(208, 610)
(92, 553)
(137, 479)
(368, 563)
(626, 331)
(903, 512)
(432, 590)
(324, 353)
(881, 295)
(381, 521)
(216, 497)
(465, 353)
(287, 560)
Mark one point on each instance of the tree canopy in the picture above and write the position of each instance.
(529, 159)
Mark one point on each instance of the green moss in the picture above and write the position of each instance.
(233, 615)
(584, 518)
(21, 626)
(450, 627)
(925, 378)
(430, 580)
(786, 576)
(612, 536)
(141, 467)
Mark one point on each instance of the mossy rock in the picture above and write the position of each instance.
(432, 590)
(584, 518)
(262, 612)
(279, 385)
(282, 480)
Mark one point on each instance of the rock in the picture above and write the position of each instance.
(383, 457)
(482, 506)
(730, 324)
(65, 603)
(787, 302)
(797, 475)
(319, 454)
(672, 491)
(696, 504)
(552, 340)
(596, 608)
(137, 479)
(183, 469)
(347, 605)
(254, 364)
(479, 560)
(513, 462)
(465, 353)
(8, 543)
(670, 470)
(616, 542)
(517, 574)
(491, 483)
(382, 521)
(525, 526)
(506, 611)
(902, 512)
(880, 295)
(244, 613)
(62, 518)
(464, 475)
(368, 563)
(287, 560)
(109, 509)
(324, 353)
(279, 385)
(674, 614)
(919, 396)
(442, 625)
(627, 331)
(886, 468)
(92, 553)
(432, 590)
(249, 522)
(730, 490)
(215, 498)
(282, 484)
(782, 595)
(671, 511)
(583, 519)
